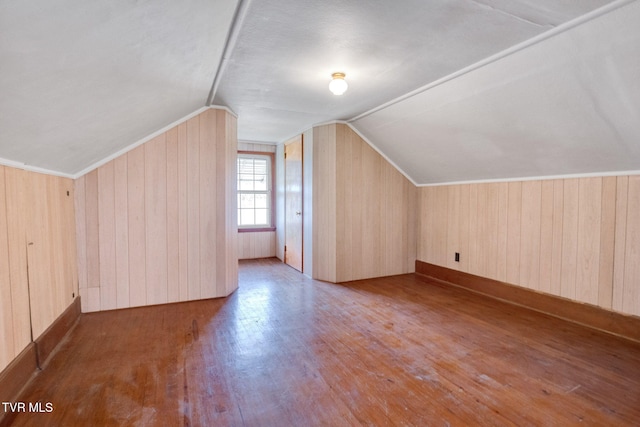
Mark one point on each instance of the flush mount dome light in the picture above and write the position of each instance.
(338, 85)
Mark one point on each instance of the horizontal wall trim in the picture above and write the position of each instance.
(535, 178)
(256, 230)
(15, 377)
(584, 314)
(47, 342)
(29, 168)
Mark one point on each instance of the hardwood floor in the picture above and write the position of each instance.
(286, 350)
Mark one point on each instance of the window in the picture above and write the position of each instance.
(255, 191)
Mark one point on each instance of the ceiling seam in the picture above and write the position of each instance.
(238, 18)
(500, 55)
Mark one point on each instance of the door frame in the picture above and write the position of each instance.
(290, 141)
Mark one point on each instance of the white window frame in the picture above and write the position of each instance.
(269, 157)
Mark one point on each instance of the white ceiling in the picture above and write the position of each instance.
(277, 76)
(81, 81)
(567, 105)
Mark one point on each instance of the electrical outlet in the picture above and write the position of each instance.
(457, 256)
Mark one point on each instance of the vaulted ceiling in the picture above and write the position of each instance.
(448, 91)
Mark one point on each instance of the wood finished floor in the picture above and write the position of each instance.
(286, 350)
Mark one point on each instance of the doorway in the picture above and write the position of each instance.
(293, 203)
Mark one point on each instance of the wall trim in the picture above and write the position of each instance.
(594, 317)
(149, 138)
(17, 375)
(47, 342)
(535, 178)
(96, 165)
(29, 168)
(138, 143)
(379, 151)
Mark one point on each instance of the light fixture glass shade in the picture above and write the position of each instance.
(338, 85)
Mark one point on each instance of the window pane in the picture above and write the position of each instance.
(245, 186)
(245, 182)
(246, 217)
(261, 216)
(261, 201)
(247, 201)
(261, 183)
(245, 166)
(260, 166)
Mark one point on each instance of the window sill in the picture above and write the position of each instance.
(255, 230)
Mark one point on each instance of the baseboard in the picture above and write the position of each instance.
(585, 314)
(51, 337)
(17, 373)
(22, 369)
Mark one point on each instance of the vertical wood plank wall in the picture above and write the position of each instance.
(158, 224)
(227, 159)
(574, 238)
(256, 245)
(364, 210)
(38, 275)
(260, 244)
(324, 213)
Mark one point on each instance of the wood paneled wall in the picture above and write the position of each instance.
(158, 224)
(574, 238)
(260, 244)
(38, 275)
(364, 210)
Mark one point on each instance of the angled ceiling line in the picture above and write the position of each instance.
(361, 135)
(617, 4)
(238, 18)
(25, 167)
(535, 178)
(381, 153)
(141, 141)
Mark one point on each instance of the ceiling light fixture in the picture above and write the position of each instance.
(338, 84)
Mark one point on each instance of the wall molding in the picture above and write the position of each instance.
(17, 375)
(29, 168)
(576, 312)
(535, 178)
(47, 342)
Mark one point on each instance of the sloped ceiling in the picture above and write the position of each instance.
(278, 73)
(567, 105)
(430, 84)
(81, 80)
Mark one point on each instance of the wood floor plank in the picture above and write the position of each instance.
(287, 350)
